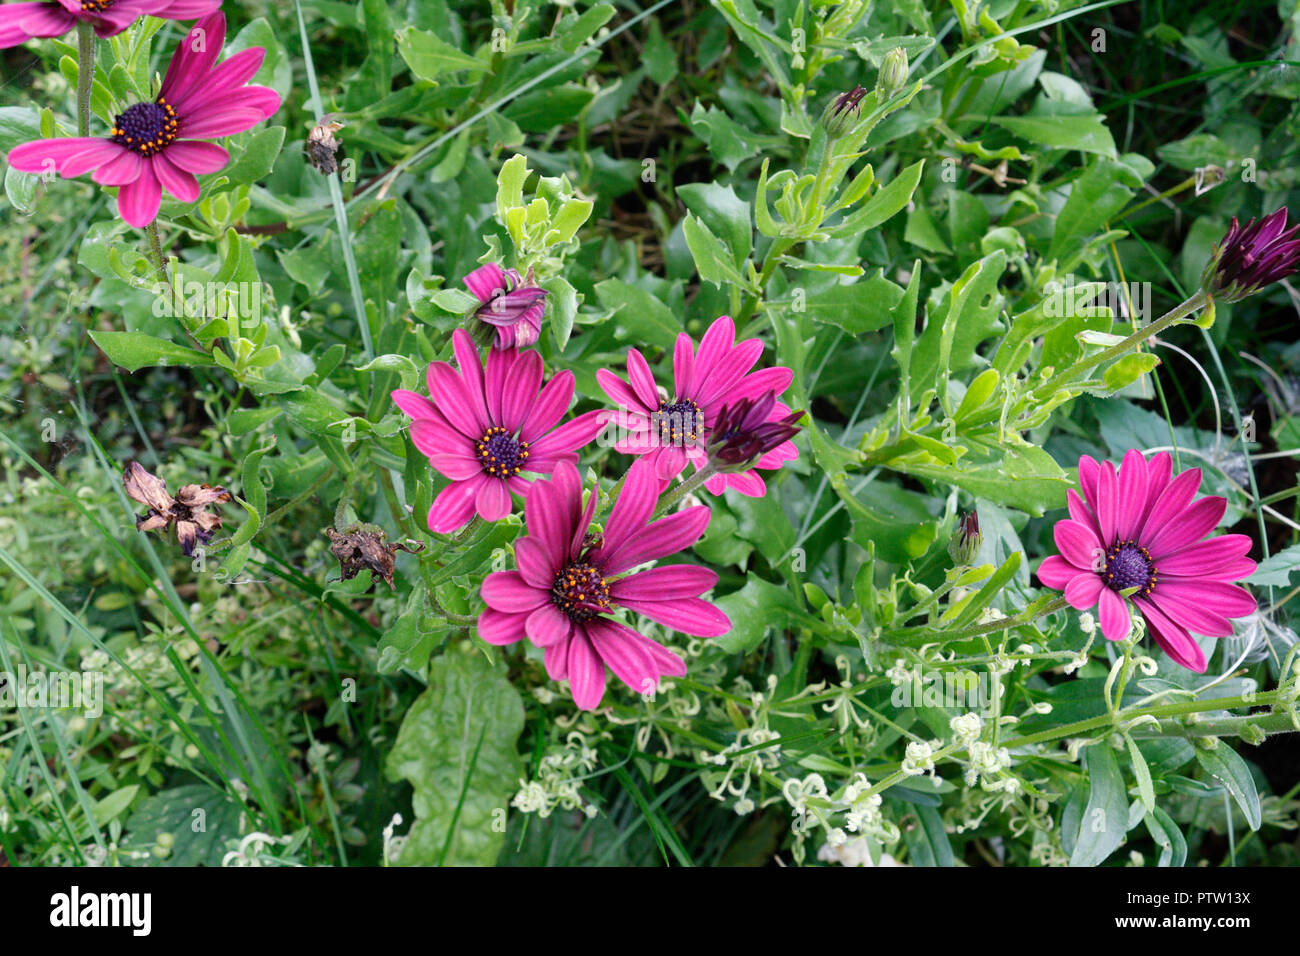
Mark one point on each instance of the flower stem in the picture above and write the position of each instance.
(1183, 708)
(85, 75)
(926, 634)
(155, 251)
(684, 489)
(1176, 314)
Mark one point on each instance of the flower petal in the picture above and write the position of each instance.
(586, 672)
(1115, 620)
(664, 583)
(627, 657)
(138, 202)
(497, 627)
(508, 591)
(454, 506)
(548, 625)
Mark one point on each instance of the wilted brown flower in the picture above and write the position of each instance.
(188, 509)
(362, 546)
(321, 145)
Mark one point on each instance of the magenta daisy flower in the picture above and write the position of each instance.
(677, 430)
(1136, 536)
(488, 425)
(567, 587)
(20, 22)
(155, 146)
(512, 305)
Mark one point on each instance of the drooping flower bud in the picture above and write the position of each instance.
(965, 541)
(1250, 257)
(893, 74)
(843, 111)
(747, 430)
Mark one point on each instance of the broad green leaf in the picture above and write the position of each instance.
(1226, 766)
(1105, 818)
(457, 747)
(726, 215)
(135, 350)
(430, 57)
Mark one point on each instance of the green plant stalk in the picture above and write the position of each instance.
(156, 251)
(1268, 724)
(1090, 726)
(930, 635)
(85, 74)
(684, 489)
(1176, 314)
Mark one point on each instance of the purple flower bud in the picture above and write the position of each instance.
(511, 305)
(965, 541)
(843, 111)
(1250, 257)
(747, 430)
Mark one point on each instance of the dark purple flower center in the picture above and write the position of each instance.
(679, 423)
(146, 128)
(1129, 565)
(501, 454)
(96, 6)
(580, 591)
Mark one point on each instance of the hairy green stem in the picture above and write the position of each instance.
(685, 488)
(85, 74)
(156, 251)
(1087, 727)
(1176, 314)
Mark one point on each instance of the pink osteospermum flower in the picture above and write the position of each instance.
(568, 585)
(674, 432)
(487, 424)
(20, 22)
(155, 145)
(511, 305)
(1137, 528)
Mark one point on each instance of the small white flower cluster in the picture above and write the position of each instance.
(987, 767)
(755, 751)
(919, 758)
(853, 852)
(966, 728)
(900, 675)
(252, 851)
(558, 782)
(812, 805)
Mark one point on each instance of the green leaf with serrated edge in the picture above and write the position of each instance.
(754, 610)
(725, 214)
(430, 57)
(1105, 818)
(457, 747)
(639, 312)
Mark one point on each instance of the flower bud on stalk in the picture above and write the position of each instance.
(893, 75)
(1250, 257)
(965, 542)
(843, 112)
(743, 432)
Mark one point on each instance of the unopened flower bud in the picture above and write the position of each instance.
(893, 74)
(843, 111)
(965, 541)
